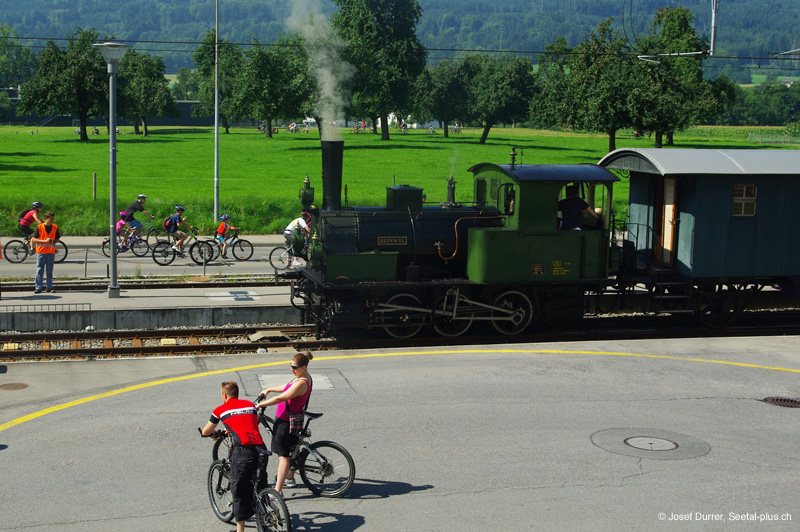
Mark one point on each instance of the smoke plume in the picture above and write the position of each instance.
(329, 70)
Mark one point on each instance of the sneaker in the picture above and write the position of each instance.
(295, 264)
(52, 290)
(176, 249)
(287, 483)
(37, 291)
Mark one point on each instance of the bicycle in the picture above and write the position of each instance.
(283, 257)
(327, 468)
(148, 230)
(272, 515)
(16, 251)
(163, 254)
(242, 249)
(136, 244)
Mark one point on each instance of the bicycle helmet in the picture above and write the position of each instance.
(36, 204)
(142, 196)
(123, 214)
(179, 208)
(224, 217)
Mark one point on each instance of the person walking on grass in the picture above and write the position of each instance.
(45, 238)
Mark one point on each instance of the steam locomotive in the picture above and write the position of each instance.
(502, 260)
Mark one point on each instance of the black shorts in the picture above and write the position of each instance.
(25, 229)
(244, 462)
(282, 441)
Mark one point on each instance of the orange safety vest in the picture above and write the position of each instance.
(43, 234)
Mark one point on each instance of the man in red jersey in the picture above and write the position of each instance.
(241, 421)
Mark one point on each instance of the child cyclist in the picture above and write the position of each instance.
(224, 226)
(121, 224)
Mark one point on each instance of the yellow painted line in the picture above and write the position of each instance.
(145, 385)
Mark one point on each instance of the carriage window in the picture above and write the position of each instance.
(744, 200)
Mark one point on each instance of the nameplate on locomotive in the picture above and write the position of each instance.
(392, 240)
(537, 269)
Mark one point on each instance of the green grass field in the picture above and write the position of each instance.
(260, 178)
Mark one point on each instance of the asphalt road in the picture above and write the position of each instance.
(633, 435)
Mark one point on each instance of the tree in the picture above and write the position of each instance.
(554, 104)
(230, 64)
(500, 89)
(143, 90)
(383, 46)
(600, 73)
(17, 64)
(71, 80)
(670, 93)
(274, 82)
(187, 85)
(442, 92)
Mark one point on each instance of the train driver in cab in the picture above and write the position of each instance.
(572, 208)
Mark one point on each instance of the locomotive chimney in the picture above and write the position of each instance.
(332, 157)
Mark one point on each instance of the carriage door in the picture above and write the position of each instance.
(665, 252)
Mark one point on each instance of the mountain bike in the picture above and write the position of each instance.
(163, 254)
(272, 515)
(327, 468)
(136, 244)
(242, 249)
(16, 251)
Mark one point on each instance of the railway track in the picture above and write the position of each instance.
(233, 340)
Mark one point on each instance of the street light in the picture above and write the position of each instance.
(112, 53)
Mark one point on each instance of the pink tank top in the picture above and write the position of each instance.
(295, 405)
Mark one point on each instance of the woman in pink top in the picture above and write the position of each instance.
(294, 395)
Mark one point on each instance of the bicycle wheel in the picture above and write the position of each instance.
(328, 470)
(138, 246)
(163, 254)
(280, 258)
(61, 252)
(158, 235)
(219, 490)
(105, 248)
(242, 250)
(272, 515)
(221, 449)
(201, 252)
(15, 251)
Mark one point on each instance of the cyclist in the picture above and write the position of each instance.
(121, 223)
(173, 226)
(291, 399)
(303, 224)
(224, 226)
(241, 421)
(27, 219)
(133, 208)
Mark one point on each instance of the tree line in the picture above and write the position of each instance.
(600, 85)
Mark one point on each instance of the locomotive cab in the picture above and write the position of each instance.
(533, 237)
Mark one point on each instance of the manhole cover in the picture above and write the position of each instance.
(13, 386)
(650, 443)
(783, 401)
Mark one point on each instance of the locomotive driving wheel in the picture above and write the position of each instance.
(401, 315)
(451, 317)
(513, 312)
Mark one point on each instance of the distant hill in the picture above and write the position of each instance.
(747, 28)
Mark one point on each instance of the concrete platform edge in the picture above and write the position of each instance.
(156, 318)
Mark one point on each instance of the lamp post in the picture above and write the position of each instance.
(216, 110)
(112, 53)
